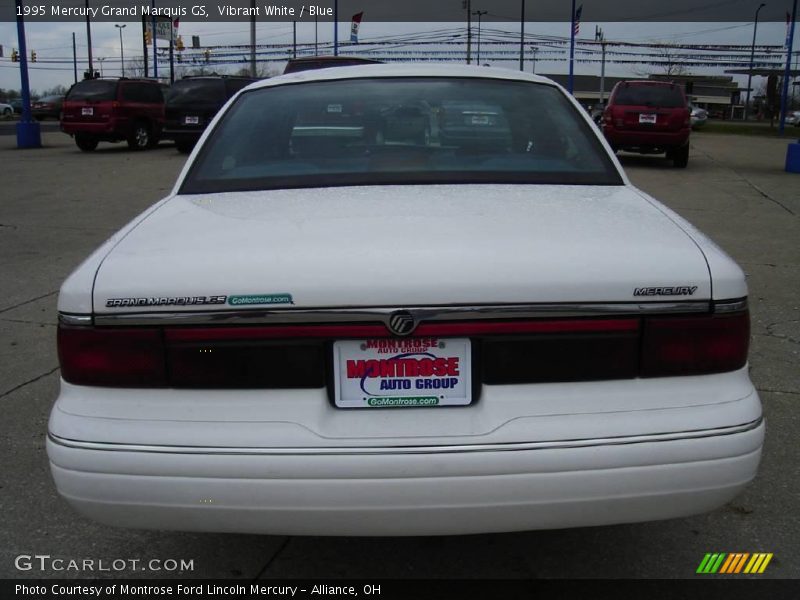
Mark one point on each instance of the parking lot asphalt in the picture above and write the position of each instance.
(57, 204)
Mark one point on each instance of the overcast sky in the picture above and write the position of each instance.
(54, 40)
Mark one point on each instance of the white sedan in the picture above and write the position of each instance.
(403, 300)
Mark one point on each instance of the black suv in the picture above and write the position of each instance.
(193, 101)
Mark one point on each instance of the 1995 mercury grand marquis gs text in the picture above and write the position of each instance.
(403, 300)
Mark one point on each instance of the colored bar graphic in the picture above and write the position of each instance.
(734, 563)
(728, 562)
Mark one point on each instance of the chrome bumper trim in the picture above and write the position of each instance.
(391, 450)
(381, 314)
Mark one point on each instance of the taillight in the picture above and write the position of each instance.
(694, 345)
(112, 357)
(294, 356)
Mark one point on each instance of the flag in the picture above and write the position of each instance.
(354, 27)
(176, 22)
(576, 21)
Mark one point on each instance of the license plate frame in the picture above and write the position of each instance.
(443, 366)
(191, 120)
(648, 118)
(87, 111)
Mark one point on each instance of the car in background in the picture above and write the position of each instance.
(16, 104)
(698, 117)
(793, 118)
(47, 107)
(6, 110)
(649, 117)
(308, 63)
(114, 110)
(403, 300)
(191, 104)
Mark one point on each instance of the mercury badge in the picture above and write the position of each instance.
(402, 323)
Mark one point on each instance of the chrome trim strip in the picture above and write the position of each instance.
(729, 306)
(381, 314)
(392, 450)
(70, 319)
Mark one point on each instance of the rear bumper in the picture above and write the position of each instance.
(432, 492)
(100, 129)
(647, 139)
(385, 487)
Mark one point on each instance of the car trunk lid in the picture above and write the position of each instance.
(401, 246)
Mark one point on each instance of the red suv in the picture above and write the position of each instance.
(113, 110)
(650, 117)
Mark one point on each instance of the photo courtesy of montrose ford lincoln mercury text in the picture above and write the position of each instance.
(403, 300)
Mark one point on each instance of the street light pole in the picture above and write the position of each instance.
(479, 14)
(752, 57)
(600, 37)
(121, 50)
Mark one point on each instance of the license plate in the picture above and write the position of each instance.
(647, 118)
(87, 111)
(191, 120)
(402, 372)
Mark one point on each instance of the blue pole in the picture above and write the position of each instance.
(787, 71)
(336, 28)
(28, 131)
(571, 50)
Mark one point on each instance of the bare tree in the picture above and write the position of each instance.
(668, 63)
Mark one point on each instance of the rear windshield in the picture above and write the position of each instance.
(307, 65)
(397, 131)
(196, 91)
(94, 89)
(650, 95)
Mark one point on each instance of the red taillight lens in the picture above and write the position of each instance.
(112, 357)
(292, 356)
(695, 345)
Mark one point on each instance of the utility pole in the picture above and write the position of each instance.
(752, 57)
(479, 14)
(89, 40)
(171, 51)
(144, 49)
(599, 37)
(155, 43)
(74, 59)
(522, 35)
(533, 51)
(316, 35)
(253, 39)
(467, 4)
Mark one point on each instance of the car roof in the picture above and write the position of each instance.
(401, 70)
(646, 82)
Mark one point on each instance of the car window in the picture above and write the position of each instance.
(134, 92)
(649, 95)
(400, 130)
(93, 89)
(196, 91)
